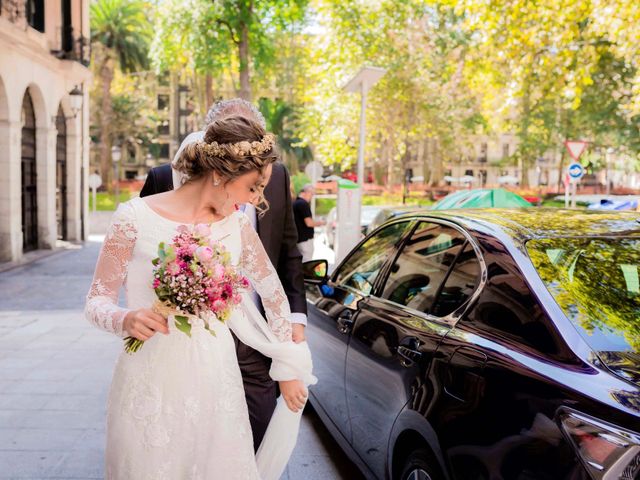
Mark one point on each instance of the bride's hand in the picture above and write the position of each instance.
(294, 393)
(144, 323)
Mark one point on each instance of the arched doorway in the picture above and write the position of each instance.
(29, 178)
(61, 175)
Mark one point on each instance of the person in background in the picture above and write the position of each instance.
(305, 222)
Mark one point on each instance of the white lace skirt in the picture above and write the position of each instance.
(177, 410)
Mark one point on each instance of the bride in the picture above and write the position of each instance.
(177, 408)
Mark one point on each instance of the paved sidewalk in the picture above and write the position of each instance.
(55, 371)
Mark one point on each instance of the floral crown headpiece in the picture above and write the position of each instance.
(239, 148)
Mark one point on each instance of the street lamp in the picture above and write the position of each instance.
(116, 155)
(366, 78)
(75, 100)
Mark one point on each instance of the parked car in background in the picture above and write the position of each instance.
(484, 344)
(367, 215)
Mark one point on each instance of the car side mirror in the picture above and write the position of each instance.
(315, 271)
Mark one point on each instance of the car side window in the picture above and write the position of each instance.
(362, 268)
(459, 285)
(422, 277)
(508, 309)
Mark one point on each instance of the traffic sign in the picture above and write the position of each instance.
(314, 170)
(575, 171)
(95, 181)
(576, 148)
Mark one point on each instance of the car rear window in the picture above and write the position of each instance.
(596, 283)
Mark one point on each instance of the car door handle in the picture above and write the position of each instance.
(409, 352)
(345, 322)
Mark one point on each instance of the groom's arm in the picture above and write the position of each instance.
(290, 262)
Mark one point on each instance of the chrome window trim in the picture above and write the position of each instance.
(454, 317)
(332, 283)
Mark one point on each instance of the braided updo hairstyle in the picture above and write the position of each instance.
(230, 162)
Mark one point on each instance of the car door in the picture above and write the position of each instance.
(332, 309)
(496, 415)
(395, 338)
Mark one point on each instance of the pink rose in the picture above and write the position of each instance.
(218, 272)
(203, 230)
(173, 268)
(218, 305)
(204, 254)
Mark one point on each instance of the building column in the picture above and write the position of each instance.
(74, 194)
(46, 168)
(10, 191)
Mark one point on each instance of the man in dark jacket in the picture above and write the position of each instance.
(278, 233)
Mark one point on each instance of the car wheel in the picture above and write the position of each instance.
(418, 466)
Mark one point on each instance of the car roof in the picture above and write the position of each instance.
(539, 222)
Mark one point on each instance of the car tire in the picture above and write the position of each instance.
(419, 466)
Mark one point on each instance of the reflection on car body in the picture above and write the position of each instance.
(484, 345)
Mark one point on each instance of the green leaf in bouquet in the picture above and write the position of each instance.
(161, 253)
(182, 324)
(132, 345)
(155, 261)
(170, 254)
(209, 329)
(163, 291)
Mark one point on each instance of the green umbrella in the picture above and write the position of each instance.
(481, 198)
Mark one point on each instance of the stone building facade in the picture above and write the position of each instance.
(44, 127)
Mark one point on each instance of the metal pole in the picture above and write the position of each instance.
(606, 164)
(117, 185)
(363, 106)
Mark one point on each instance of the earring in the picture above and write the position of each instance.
(216, 181)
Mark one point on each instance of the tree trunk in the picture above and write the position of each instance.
(243, 57)
(106, 118)
(208, 90)
(525, 152)
(436, 163)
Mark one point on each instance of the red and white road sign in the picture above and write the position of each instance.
(576, 148)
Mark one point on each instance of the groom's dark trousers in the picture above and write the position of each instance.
(279, 236)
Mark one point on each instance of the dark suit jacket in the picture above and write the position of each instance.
(276, 228)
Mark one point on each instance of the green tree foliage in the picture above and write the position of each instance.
(120, 35)
(282, 119)
(421, 109)
(223, 39)
(556, 70)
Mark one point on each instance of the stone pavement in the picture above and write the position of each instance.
(55, 371)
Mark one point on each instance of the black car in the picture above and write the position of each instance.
(485, 344)
(387, 213)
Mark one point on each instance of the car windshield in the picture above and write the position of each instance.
(596, 283)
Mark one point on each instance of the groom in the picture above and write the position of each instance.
(278, 233)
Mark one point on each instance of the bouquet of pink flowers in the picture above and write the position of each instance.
(191, 276)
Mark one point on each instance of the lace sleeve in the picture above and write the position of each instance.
(102, 307)
(257, 267)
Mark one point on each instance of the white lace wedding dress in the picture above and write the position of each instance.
(177, 408)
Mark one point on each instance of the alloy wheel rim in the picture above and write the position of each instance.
(418, 474)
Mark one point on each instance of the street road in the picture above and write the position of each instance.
(55, 371)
